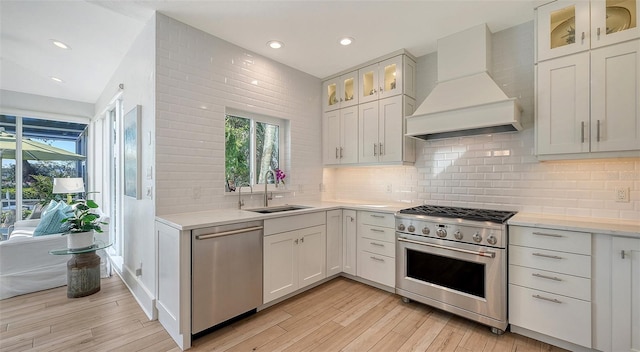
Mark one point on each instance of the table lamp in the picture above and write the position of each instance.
(68, 185)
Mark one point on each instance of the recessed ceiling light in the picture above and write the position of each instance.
(274, 44)
(346, 41)
(60, 44)
(59, 80)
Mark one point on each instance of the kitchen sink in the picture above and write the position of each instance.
(277, 209)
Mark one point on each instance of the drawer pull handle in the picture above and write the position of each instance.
(546, 277)
(377, 244)
(546, 299)
(377, 216)
(547, 234)
(227, 233)
(547, 256)
(377, 230)
(377, 259)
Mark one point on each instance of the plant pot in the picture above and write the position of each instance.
(79, 240)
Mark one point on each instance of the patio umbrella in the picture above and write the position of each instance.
(33, 150)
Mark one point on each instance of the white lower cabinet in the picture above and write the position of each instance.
(293, 260)
(617, 293)
(334, 242)
(376, 247)
(550, 283)
(349, 240)
(625, 290)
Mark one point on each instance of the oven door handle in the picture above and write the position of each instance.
(482, 254)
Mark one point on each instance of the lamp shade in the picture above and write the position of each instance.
(68, 185)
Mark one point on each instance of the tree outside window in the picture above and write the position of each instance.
(252, 147)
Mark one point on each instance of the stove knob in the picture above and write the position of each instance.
(477, 237)
(411, 228)
(401, 227)
(458, 235)
(441, 232)
(425, 230)
(492, 240)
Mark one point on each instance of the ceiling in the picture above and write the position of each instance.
(101, 32)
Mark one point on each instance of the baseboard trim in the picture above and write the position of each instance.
(140, 293)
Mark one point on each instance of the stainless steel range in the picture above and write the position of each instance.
(455, 259)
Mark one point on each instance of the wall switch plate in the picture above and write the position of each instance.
(622, 194)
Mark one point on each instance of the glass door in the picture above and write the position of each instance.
(614, 21)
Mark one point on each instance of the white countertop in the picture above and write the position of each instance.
(627, 228)
(195, 220)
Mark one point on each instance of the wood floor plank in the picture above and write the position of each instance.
(338, 315)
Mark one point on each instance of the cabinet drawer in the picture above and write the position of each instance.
(562, 317)
(377, 233)
(378, 247)
(559, 262)
(557, 240)
(377, 268)
(293, 222)
(377, 219)
(566, 285)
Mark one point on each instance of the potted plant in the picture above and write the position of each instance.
(84, 220)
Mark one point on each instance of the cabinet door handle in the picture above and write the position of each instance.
(377, 244)
(350, 218)
(296, 241)
(302, 240)
(377, 259)
(546, 277)
(598, 131)
(547, 256)
(547, 234)
(546, 299)
(623, 254)
(381, 90)
(582, 131)
(583, 37)
(340, 152)
(375, 150)
(380, 149)
(336, 152)
(598, 32)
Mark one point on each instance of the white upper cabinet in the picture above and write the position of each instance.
(340, 136)
(340, 92)
(614, 21)
(568, 27)
(387, 78)
(563, 28)
(615, 97)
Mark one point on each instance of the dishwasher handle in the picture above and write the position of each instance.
(227, 233)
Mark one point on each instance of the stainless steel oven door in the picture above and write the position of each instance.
(468, 280)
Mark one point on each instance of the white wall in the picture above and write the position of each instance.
(137, 73)
(198, 76)
(499, 171)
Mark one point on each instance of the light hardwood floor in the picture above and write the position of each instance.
(340, 315)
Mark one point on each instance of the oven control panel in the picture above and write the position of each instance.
(480, 235)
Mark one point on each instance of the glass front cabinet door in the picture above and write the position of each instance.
(340, 92)
(563, 28)
(614, 21)
(381, 80)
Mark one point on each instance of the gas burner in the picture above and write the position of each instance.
(495, 216)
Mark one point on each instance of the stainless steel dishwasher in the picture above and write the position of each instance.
(226, 273)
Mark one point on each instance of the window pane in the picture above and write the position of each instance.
(237, 152)
(267, 152)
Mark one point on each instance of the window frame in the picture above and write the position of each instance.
(282, 134)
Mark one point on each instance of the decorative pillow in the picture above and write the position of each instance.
(52, 204)
(51, 221)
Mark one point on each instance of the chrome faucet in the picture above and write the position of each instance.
(240, 201)
(266, 182)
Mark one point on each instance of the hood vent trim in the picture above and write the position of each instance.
(466, 101)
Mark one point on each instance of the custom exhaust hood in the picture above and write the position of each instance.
(466, 101)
